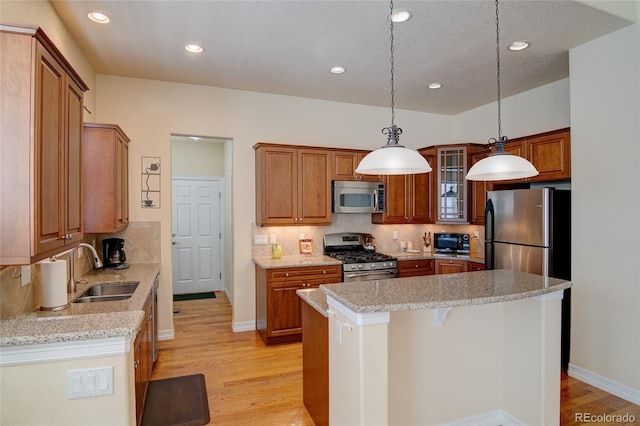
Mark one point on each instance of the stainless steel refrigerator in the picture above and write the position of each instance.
(529, 230)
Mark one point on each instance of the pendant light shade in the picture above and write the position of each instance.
(503, 166)
(393, 158)
(500, 165)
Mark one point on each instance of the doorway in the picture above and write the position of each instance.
(200, 167)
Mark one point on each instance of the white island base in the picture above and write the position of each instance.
(494, 363)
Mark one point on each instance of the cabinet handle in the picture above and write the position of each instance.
(416, 266)
(286, 274)
(324, 272)
(136, 364)
(451, 261)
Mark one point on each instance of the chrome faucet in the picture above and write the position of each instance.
(96, 264)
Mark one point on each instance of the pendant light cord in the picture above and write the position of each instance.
(393, 91)
(393, 132)
(499, 143)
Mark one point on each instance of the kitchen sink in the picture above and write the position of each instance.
(108, 292)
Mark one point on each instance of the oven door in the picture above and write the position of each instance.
(350, 277)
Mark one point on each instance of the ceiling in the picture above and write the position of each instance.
(287, 47)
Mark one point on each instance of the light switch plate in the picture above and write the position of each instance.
(89, 382)
(259, 240)
(272, 239)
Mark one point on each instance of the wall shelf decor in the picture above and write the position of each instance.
(150, 184)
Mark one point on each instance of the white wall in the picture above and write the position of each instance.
(246, 118)
(535, 111)
(605, 154)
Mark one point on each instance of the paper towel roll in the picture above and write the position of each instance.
(54, 284)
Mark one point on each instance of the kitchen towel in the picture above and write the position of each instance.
(54, 284)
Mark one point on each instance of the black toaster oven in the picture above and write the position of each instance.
(451, 243)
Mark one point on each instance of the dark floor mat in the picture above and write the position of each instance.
(192, 296)
(179, 401)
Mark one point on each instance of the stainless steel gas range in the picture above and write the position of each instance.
(360, 261)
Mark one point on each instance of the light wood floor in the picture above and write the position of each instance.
(250, 384)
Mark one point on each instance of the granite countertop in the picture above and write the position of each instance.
(315, 298)
(84, 321)
(440, 291)
(295, 261)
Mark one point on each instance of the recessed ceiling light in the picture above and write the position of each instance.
(400, 15)
(519, 45)
(337, 70)
(99, 17)
(434, 85)
(194, 48)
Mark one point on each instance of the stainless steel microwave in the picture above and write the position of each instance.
(358, 197)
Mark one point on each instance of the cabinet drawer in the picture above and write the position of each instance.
(306, 273)
(414, 268)
(476, 266)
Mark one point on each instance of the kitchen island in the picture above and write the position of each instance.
(465, 348)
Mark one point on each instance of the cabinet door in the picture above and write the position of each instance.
(423, 201)
(395, 201)
(122, 183)
(284, 309)
(343, 165)
(444, 266)
(452, 185)
(74, 98)
(276, 185)
(475, 266)
(415, 268)
(314, 184)
(138, 380)
(550, 154)
(50, 147)
(478, 190)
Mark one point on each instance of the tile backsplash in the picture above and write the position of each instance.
(142, 245)
(288, 236)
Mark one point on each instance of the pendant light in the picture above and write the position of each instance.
(393, 158)
(500, 165)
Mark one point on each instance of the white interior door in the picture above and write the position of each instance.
(197, 235)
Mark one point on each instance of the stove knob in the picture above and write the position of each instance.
(373, 265)
(353, 267)
(384, 265)
(359, 266)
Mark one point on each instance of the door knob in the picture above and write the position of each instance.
(173, 243)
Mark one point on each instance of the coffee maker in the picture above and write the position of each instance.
(113, 253)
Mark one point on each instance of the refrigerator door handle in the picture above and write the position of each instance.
(489, 215)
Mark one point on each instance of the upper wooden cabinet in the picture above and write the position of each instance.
(409, 198)
(549, 152)
(41, 129)
(344, 164)
(293, 185)
(452, 185)
(105, 177)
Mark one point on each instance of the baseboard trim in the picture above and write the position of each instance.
(166, 334)
(238, 327)
(492, 418)
(618, 389)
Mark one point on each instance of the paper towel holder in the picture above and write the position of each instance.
(62, 303)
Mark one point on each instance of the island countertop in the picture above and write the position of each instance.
(85, 321)
(441, 291)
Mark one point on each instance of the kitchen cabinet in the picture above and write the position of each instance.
(344, 164)
(416, 268)
(41, 129)
(143, 359)
(475, 266)
(550, 154)
(452, 185)
(277, 304)
(293, 185)
(105, 177)
(409, 198)
(451, 266)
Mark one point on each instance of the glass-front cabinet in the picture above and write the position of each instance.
(452, 186)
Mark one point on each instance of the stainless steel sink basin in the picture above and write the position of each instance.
(108, 292)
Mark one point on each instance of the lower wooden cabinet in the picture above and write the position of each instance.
(450, 266)
(143, 359)
(277, 304)
(416, 268)
(315, 364)
(475, 266)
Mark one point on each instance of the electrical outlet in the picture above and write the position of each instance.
(395, 235)
(272, 238)
(25, 275)
(259, 240)
(476, 234)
